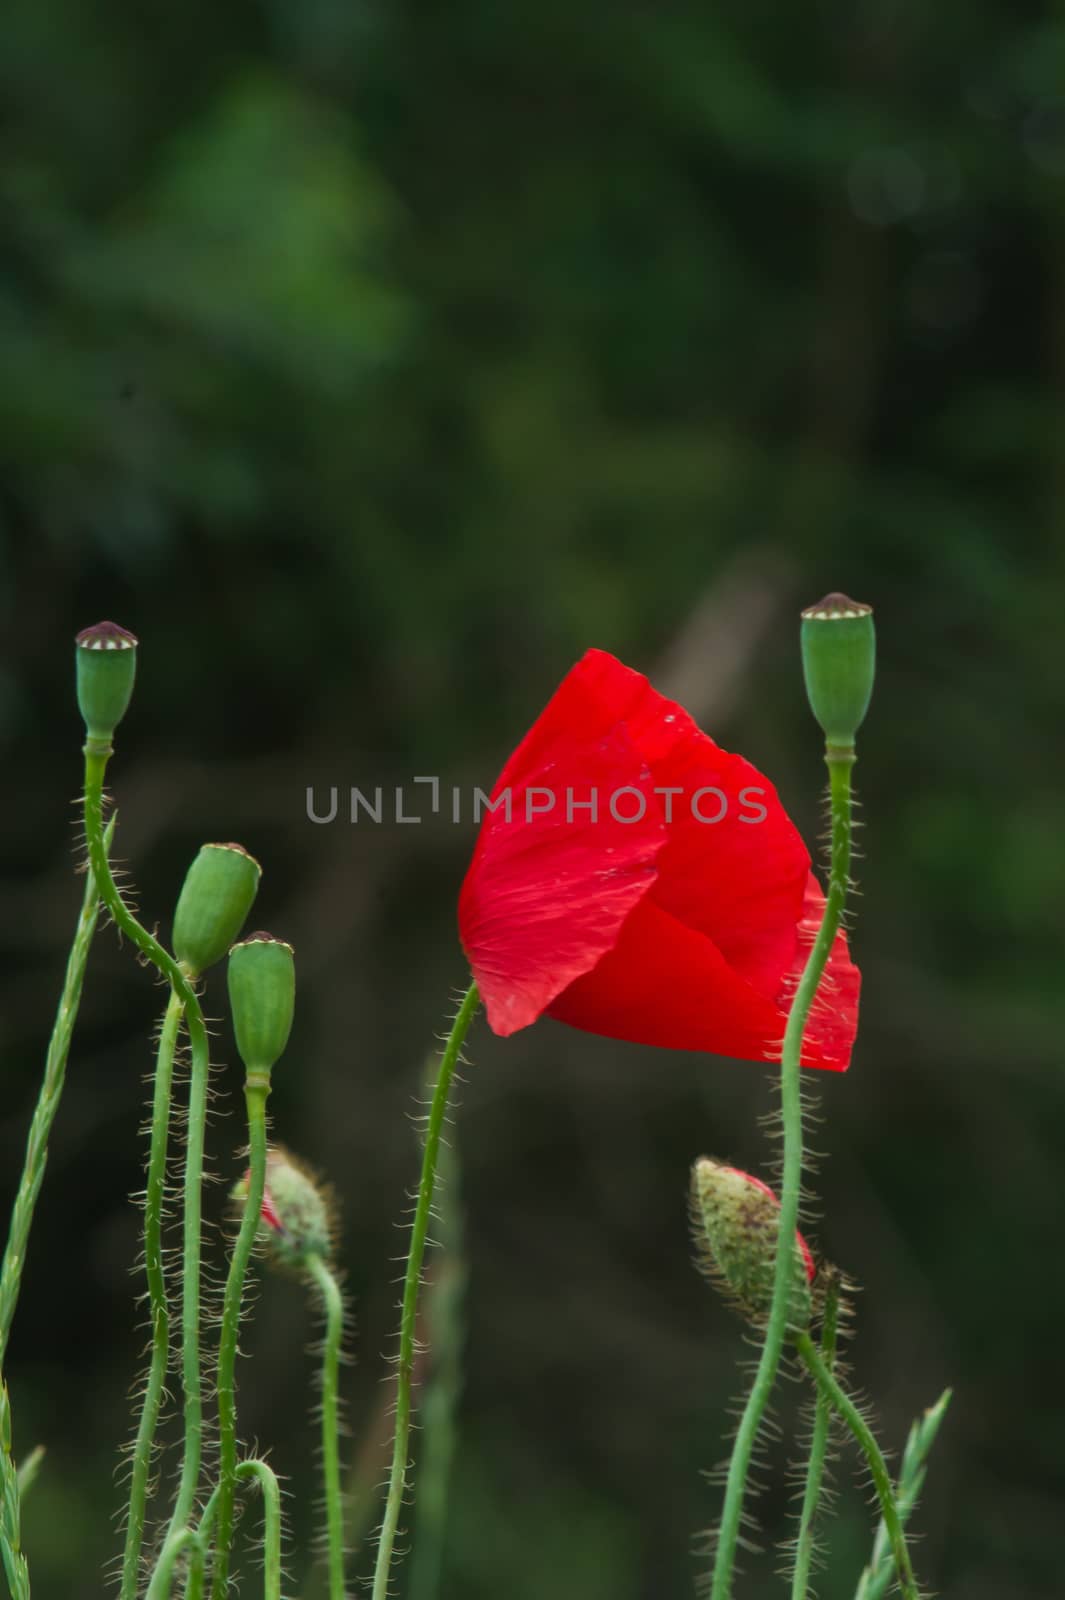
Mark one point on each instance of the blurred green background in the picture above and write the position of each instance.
(370, 361)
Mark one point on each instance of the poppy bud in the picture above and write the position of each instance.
(296, 1217)
(735, 1221)
(262, 995)
(106, 659)
(215, 898)
(839, 663)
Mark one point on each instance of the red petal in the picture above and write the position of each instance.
(665, 984)
(739, 880)
(546, 896)
(269, 1213)
(571, 916)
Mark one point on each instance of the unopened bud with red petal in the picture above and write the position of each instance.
(838, 639)
(736, 1223)
(296, 1219)
(215, 899)
(106, 661)
(262, 996)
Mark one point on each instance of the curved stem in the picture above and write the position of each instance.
(256, 1090)
(397, 1481)
(849, 1413)
(333, 1302)
(815, 1469)
(176, 1544)
(157, 1296)
(839, 769)
(194, 1590)
(95, 767)
(271, 1493)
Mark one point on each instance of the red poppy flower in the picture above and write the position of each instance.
(636, 880)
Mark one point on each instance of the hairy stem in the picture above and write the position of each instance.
(267, 1480)
(256, 1091)
(839, 769)
(875, 1579)
(34, 1163)
(96, 759)
(55, 1067)
(157, 1297)
(397, 1482)
(815, 1468)
(333, 1303)
(849, 1413)
(185, 1539)
(440, 1394)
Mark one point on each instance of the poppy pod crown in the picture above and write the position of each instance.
(633, 879)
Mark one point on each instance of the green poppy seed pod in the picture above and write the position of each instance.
(215, 898)
(839, 663)
(262, 995)
(106, 660)
(735, 1222)
(296, 1220)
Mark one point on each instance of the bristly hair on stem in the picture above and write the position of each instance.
(96, 759)
(442, 1389)
(329, 1291)
(850, 1414)
(876, 1578)
(159, 1308)
(25, 1205)
(791, 1113)
(815, 1470)
(398, 1482)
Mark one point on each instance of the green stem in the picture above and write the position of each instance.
(333, 1302)
(256, 1090)
(33, 1167)
(849, 1413)
(839, 770)
(874, 1581)
(441, 1390)
(271, 1493)
(397, 1482)
(157, 1297)
(55, 1067)
(176, 1544)
(194, 1590)
(95, 767)
(815, 1469)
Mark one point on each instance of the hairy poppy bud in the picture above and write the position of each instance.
(736, 1221)
(262, 995)
(106, 659)
(838, 639)
(215, 898)
(296, 1218)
